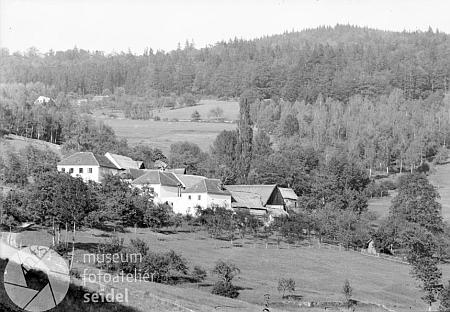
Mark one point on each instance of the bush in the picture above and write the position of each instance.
(164, 266)
(75, 273)
(156, 118)
(62, 248)
(225, 289)
(424, 168)
(109, 247)
(198, 273)
(388, 185)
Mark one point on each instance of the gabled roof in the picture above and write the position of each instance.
(43, 99)
(157, 177)
(188, 180)
(136, 173)
(209, 186)
(288, 193)
(87, 159)
(177, 170)
(264, 191)
(246, 200)
(105, 162)
(122, 162)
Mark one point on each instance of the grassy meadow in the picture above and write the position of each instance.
(319, 273)
(161, 134)
(230, 110)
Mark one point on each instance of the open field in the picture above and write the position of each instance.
(230, 110)
(161, 134)
(319, 273)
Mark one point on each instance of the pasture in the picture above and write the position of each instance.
(161, 134)
(319, 273)
(230, 110)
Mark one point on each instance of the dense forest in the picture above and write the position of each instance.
(337, 62)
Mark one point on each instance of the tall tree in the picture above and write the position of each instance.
(245, 139)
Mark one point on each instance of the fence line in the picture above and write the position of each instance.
(360, 251)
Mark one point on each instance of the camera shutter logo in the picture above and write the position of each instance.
(36, 278)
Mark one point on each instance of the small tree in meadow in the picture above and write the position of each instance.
(226, 272)
(286, 284)
(195, 116)
(347, 290)
(198, 274)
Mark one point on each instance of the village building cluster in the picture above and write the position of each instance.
(180, 190)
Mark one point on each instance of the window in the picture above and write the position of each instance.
(80, 170)
(90, 170)
(199, 197)
(71, 170)
(189, 197)
(63, 169)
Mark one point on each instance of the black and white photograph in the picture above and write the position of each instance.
(224, 155)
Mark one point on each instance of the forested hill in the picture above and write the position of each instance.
(337, 62)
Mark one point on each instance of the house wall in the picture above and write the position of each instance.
(94, 176)
(290, 203)
(183, 204)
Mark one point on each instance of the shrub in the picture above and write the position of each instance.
(75, 273)
(225, 289)
(109, 247)
(156, 118)
(165, 266)
(62, 248)
(198, 273)
(347, 290)
(389, 185)
(195, 116)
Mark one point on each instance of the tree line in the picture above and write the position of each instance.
(337, 62)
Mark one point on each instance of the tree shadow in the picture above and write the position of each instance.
(294, 297)
(89, 247)
(243, 288)
(111, 228)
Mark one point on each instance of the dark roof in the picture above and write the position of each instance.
(157, 177)
(264, 191)
(136, 173)
(105, 162)
(87, 159)
(209, 186)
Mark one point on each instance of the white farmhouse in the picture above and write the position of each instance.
(205, 193)
(88, 166)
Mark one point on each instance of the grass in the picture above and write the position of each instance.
(18, 143)
(230, 110)
(319, 273)
(161, 134)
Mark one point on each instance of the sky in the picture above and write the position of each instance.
(122, 25)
